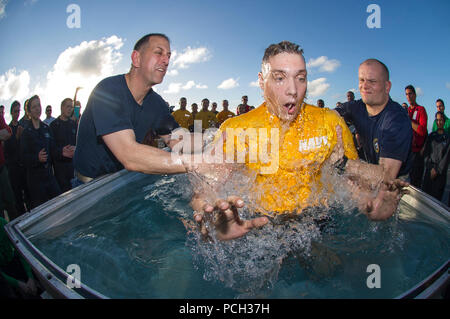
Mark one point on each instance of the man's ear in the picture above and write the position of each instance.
(136, 59)
(388, 86)
(261, 81)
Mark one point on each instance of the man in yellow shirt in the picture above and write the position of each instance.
(302, 139)
(225, 113)
(207, 117)
(182, 115)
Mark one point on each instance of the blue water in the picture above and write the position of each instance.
(142, 249)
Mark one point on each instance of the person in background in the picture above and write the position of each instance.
(224, 114)
(7, 201)
(182, 116)
(48, 112)
(436, 154)
(194, 108)
(207, 117)
(16, 170)
(350, 96)
(36, 147)
(214, 108)
(418, 116)
(405, 106)
(320, 103)
(244, 107)
(25, 120)
(64, 131)
(384, 128)
(441, 108)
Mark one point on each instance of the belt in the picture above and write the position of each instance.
(83, 178)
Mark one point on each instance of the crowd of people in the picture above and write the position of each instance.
(374, 141)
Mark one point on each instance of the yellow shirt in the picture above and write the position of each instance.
(208, 119)
(224, 115)
(286, 180)
(182, 117)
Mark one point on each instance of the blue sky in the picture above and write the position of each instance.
(218, 46)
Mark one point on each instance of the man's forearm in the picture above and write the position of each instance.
(151, 160)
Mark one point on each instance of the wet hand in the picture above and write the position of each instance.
(385, 204)
(225, 218)
(338, 150)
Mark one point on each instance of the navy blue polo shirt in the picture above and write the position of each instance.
(387, 134)
(111, 108)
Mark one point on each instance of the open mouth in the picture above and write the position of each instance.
(290, 107)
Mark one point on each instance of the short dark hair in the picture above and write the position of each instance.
(142, 41)
(439, 112)
(385, 68)
(65, 100)
(34, 97)
(13, 105)
(440, 100)
(283, 46)
(410, 87)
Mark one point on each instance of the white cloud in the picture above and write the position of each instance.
(83, 65)
(228, 84)
(3, 4)
(254, 84)
(14, 86)
(173, 72)
(190, 56)
(189, 85)
(175, 88)
(317, 87)
(419, 91)
(201, 86)
(323, 64)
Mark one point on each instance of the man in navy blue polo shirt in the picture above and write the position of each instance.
(382, 124)
(121, 111)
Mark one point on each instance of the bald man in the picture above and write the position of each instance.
(383, 125)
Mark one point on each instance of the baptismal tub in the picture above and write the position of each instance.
(125, 236)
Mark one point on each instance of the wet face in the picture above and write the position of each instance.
(410, 96)
(15, 113)
(35, 109)
(283, 81)
(440, 106)
(440, 121)
(152, 60)
(373, 86)
(67, 109)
